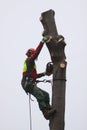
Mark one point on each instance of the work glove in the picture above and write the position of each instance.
(45, 38)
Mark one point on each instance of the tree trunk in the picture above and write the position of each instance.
(56, 49)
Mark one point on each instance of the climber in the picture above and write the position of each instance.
(29, 77)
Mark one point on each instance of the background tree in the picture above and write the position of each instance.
(56, 46)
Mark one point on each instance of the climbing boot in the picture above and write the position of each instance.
(48, 113)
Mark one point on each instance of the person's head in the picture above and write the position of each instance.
(30, 52)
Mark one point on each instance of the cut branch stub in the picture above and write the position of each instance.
(60, 71)
(56, 50)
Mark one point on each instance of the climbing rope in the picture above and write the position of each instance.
(30, 111)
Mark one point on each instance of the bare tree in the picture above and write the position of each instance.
(56, 46)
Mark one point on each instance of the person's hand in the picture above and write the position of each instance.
(45, 38)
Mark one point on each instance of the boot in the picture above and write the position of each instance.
(48, 113)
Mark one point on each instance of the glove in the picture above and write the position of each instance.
(45, 38)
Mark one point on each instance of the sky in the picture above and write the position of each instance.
(20, 29)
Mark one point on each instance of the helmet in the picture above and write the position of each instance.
(30, 51)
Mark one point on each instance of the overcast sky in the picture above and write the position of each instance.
(21, 29)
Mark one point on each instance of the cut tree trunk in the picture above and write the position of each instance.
(56, 49)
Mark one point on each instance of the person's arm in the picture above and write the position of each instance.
(41, 75)
(37, 51)
(39, 47)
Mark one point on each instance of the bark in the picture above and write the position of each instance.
(56, 50)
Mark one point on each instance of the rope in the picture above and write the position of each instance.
(59, 79)
(30, 112)
(44, 81)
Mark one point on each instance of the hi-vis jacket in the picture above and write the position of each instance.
(29, 68)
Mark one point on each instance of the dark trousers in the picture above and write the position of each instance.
(41, 95)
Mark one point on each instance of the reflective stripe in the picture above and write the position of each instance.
(25, 67)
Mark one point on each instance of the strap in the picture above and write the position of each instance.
(59, 79)
(44, 81)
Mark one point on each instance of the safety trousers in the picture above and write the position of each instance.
(41, 95)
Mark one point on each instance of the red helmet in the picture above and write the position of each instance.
(30, 51)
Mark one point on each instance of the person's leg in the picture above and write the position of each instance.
(43, 101)
(46, 98)
(28, 86)
(40, 96)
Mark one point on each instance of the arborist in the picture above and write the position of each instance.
(29, 77)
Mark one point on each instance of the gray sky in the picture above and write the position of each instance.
(21, 29)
